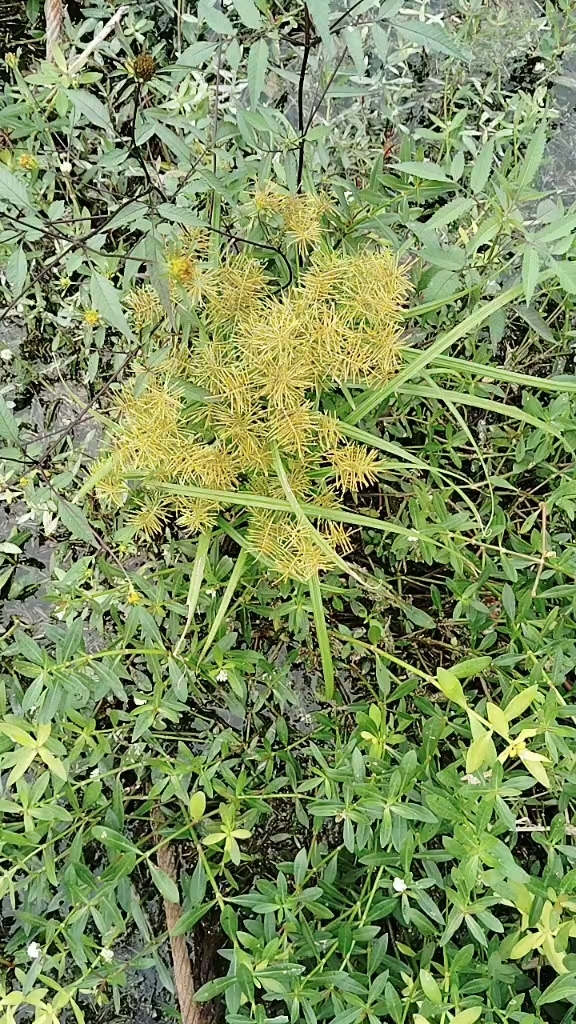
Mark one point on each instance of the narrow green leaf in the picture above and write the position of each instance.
(214, 18)
(533, 156)
(530, 271)
(187, 921)
(165, 885)
(427, 170)
(565, 271)
(257, 68)
(322, 636)
(482, 167)
(522, 701)
(563, 988)
(456, 209)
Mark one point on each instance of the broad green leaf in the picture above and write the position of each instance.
(427, 170)
(110, 837)
(449, 257)
(214, 18)
(497, 719)
(530, 271)
(17, 735)
(557, 229)
(91, 107)
(54, 763)
(535, 321)
(482, 167)
(12, 190)
(471, 667)
(456, 209)
(213, 988)
(257, 68)
(248, 13)
(467, 1016)
(478, 752)
(165, 885)
(21, 764)
(106, 300)
(431, 36)
(353, 39)
(430, 987)
(196, 55)
(562, 989)
(450, 686)
(197, 805)
(74, 519)
(320, 14)
(8, 424)
(519, 704)
(17, 270)
(565, 270)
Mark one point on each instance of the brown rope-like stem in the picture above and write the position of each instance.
(54, 11)
(190, 1010)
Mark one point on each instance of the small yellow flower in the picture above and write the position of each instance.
(28, 162)
(92, 317)
(24, 482)
(133, 597)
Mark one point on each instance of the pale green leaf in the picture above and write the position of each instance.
(562, 989)
(427, 170)
(497, 719)
(478, 752)
(565, 270)
(530, 271)
(456, 209)
(165, 885)
(214, 18)
(431, 36)
(248, 13)
(197, 805)
(450, 686)
(12, 190)
(521, 702)
(74, 519)
(8, 424)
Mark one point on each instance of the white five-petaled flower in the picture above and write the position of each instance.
(222, 676)
(6, 355)
(34, 951)
(107, 954)
(399, 885)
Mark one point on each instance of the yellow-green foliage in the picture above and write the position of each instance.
(263, 362)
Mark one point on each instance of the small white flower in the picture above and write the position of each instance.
(413, 538)
(20, 308)
(94, 773)
(6, 355)
(472, 780)
(138, 701)
(66, 167)
(222, 676)
(34, 951)
(107, 955)
(211, 593)
(399, 885)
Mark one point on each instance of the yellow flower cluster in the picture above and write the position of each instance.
(248, 391)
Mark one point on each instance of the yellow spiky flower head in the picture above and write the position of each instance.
(242, 403)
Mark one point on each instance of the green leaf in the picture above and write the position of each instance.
(8, 424)
(467, 1016)
(471, 667)
(565, 271)
(106, 300)
(456, 209)
(450, 686)
(17, 270)
(562, 988)
(54, 763)
(418, 617)
(353, 39)
(257, 67)
(533, 156)
(213, 988)
(530, 271)
(431, 36)
(427, 170)
(197, 805)
(497, 718)
(322, 636)
(165, 885)
(13, 190)
(320, 14)
(214, 18)
(110, 837)
(430, 987)
(18, 735)
(521, 702)
(482, 167)
(74, 519)
(196, 55)
(90, 107)
(478, 752)
(248, 13)
(188, 920)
